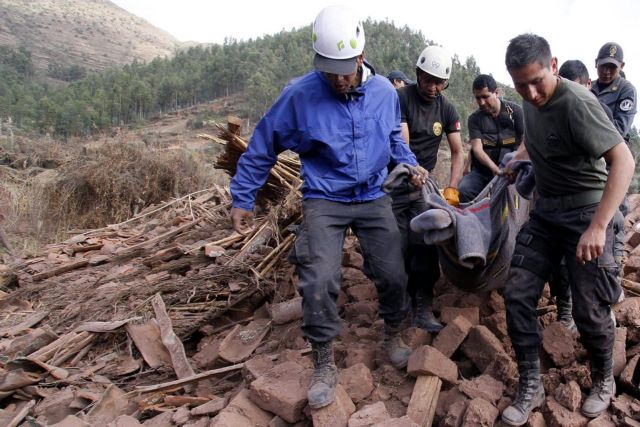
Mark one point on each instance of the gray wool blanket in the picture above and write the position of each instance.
(476, 240)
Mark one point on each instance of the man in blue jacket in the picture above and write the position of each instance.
(343, 120)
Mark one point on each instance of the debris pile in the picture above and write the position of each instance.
(172, 318)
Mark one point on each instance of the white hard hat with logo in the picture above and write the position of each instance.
(338, 39)
(436, 61)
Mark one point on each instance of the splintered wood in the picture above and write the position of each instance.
(115, 304)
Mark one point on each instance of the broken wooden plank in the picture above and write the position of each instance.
(60, 270)
(104, 326)
(189, 380)
(243, 340)
(147, 339)
(170, 340)
(176, 384)
(17, 419)
(32, 341)
(31, 320)
(424, 400)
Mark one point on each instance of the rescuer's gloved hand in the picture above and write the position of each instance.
(452, 196)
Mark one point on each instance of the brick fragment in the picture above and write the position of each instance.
(282, 390)
(569, 395)
(484, 386)
(337, 413)
(559, 343)
(482, 347)
(559, 416)
(429, 361)
(368, 415)
(447, 314)
(452, 335)
(242, 412)
(479, 413)
(357, 382)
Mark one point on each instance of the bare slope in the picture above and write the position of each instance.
(95, 34)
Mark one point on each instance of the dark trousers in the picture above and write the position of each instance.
(420, 259)
(559, 282)
(472, 184)
(317, 254)
(542, 242)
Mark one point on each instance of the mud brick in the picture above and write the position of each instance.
(452, 335)
(627, 373)
(241, 412)
(603, 420)
(368, 415)
(619, 351)
(255, 367)
(397, 422)
(416, 337)
(366, 292)
(337, 413)
(357, 382)
(448, 398)
(557, 415)
(365, 355)
(633, 262)
(536, 419)
(625, 406)
(484, 386)
(569, 395)
(353, 276)
(559, 343)
(479, 413)
(454, 414)
(429, 361)
(212, 407)
(282, 390)
(497, 323)
(482, 347)
(447, 314)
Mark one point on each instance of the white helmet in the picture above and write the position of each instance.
(436, 61)
(338, 38)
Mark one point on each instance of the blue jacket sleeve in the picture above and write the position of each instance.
(262, 153)
(400, 151)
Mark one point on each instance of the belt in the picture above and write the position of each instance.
(569, 201)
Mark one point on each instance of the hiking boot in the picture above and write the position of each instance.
(564, 316)
(603, 389)
(530, 394)
(423, 316)
(397, 350)
(322, 388)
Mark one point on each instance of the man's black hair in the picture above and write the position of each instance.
(485, 80)
(574, 70)
(527, 49)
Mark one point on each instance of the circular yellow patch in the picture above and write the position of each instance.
(437, 129)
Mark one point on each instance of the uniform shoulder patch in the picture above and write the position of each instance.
(626, 104)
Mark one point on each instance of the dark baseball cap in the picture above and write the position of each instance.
(610, 53)
(399, 75)
(341, 67)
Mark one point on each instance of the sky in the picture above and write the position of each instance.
(575, 29)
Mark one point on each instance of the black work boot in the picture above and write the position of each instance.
(397, 350)
(324, 379)
(603, 389)
(530, 394)
(423, 316)
(564, 316)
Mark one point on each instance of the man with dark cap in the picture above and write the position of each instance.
(613, 90)
(495, 129)
(343, 120)
(398, 79)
